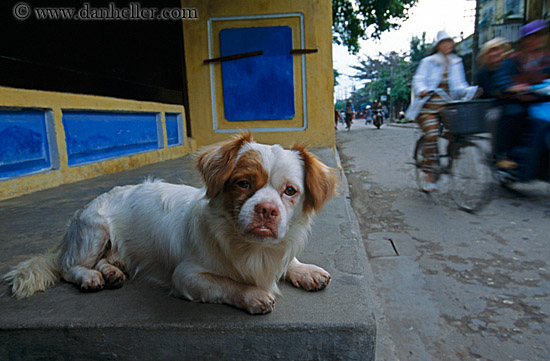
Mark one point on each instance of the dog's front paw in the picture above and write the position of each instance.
(258, 301)
(308, 277)
(114, 277)
(92, 281)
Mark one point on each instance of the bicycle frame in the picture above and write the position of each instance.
(468, 165)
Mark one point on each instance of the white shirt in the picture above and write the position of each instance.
(428, 76)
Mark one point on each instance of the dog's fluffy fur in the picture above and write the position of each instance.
(230, 242)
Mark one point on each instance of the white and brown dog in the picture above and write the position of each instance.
(230, 242)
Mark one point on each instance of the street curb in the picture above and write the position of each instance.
(385, 346)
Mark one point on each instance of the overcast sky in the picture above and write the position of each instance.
(430, 16)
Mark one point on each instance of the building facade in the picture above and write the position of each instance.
(504, 18)
(97, 90)
(500, 18)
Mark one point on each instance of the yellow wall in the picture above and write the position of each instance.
(310, 21)
(56, 102)
(316, 18)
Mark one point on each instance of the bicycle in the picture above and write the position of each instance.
(464, 158)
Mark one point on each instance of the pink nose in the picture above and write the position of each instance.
(267, 210)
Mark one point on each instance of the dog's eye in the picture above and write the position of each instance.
(243, 184)
(290, 191)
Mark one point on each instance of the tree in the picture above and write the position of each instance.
(419, 49)
(340, 104)
(388, 71)
(361, 98)
(351, 19)
(392, 71)
(336, 75)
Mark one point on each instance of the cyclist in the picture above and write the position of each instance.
(441, 70)
(349, 114)
(337, 118)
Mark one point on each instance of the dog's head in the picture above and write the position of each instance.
(265, 187)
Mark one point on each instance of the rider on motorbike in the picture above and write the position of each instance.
(521, 140)
(378, 114)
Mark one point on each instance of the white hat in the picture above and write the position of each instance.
(441, 35)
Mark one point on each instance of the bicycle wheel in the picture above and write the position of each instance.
(420, 168)
(471, 182)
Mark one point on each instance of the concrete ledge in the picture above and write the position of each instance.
(140, 321)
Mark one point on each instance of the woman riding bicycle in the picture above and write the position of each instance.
(442, 70)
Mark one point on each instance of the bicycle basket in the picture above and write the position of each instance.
(467, 117)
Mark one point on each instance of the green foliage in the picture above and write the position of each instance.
(419, 49)
(336, 75)
(340, 104)
(391, 70)
(351, 19)
(361, 97)
(387, 71)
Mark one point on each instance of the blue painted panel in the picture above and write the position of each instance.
(96, 135)
(23, 142)
(173, 126)
(259, 87)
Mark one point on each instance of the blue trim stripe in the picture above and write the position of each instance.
(24, 146)
(98, 135)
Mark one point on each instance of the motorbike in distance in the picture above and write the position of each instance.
(378, 118)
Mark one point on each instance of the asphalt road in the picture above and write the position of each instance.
(448, 285)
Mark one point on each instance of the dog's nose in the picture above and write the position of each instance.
(267, 210)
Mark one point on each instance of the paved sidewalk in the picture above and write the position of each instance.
(142, 322)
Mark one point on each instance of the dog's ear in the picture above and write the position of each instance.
(320, 181)
(217, 162)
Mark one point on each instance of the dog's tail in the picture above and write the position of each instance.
(34, 275)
